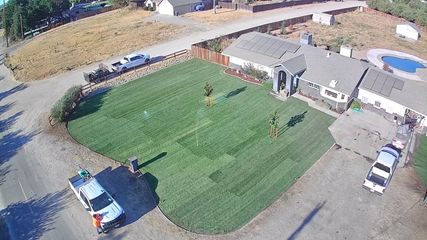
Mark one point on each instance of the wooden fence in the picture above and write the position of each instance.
(264, 7)
(206, 54)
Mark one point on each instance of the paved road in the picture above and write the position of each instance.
(36, 160)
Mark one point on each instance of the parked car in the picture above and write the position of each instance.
(96, 200)
(382, 170)
(199, 7)
(403, 134)
(131, 61)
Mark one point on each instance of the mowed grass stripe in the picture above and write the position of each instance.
(216, 167)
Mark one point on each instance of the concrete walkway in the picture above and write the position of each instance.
(313, 104)
(36, 160)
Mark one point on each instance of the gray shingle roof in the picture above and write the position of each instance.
(295, 65)
(176, 3)
(409, 93)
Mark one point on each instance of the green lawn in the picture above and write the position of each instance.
(421, 159)
(214, 168)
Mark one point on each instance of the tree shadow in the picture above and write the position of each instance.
(235, 92)
(12, 142)
(8, 122)
(5, 108)
(294, 120)
(90, 104)
(307, 220)
(32, 218)
(159, 156)
(130, 191)
(13, 90)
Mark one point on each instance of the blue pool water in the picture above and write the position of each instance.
(406, 65)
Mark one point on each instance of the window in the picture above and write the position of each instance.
(331, 94)
(84, 198)
(342, 96)
(377, 104)
(312, 85)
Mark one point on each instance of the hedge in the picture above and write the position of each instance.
(64, 105)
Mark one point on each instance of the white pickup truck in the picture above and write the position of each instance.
(131, 61)
(382, 170)
(96, 200)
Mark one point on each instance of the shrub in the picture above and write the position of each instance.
(356, 105)
(64, 105)
(258, 74)
(214, 45)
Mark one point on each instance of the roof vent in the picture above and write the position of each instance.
(328, 54)
(333, 83)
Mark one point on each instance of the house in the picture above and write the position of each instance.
(313, 72)
(408, 30)
(323, 18)
(179, 7)
(394, 95)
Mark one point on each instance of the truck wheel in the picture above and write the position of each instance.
(147, 60)
(124, 69)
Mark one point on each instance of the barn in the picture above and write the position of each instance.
(408, 30)
(179, 7)
(323, 18)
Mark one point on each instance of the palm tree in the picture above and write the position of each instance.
(208, 94)
(274, 124)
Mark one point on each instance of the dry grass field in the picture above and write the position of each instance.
(363, 31)
(223, 15)
(88, 40)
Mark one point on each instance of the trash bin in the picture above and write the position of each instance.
(133, 164)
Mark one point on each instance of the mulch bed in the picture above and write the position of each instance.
(242, 76)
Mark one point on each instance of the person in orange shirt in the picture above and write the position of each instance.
(96, 220)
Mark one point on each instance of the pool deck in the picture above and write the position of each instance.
(374, 56)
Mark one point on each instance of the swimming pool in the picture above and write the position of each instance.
(403, 64)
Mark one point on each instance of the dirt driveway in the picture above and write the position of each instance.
(328, 202)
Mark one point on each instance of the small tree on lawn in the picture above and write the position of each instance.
(274, 125)
(208, 94)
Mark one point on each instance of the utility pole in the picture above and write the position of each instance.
(22, 28)
(4, 23)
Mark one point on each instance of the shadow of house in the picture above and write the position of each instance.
(130, 191)
(32, 218)
(294, 120)
(158, 157)
(235, 92)
(12, 142)
(8, 122)
(307, 220)
(13, 90)
(89, 104)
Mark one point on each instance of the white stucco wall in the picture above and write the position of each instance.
(389, 106)
(241, 62)
(166, 8)
(339, 95)
(407, 31)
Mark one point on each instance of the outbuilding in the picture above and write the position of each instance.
(323, 18)
(408, 30)
(179, 7)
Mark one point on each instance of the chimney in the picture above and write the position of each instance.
(306, 38)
